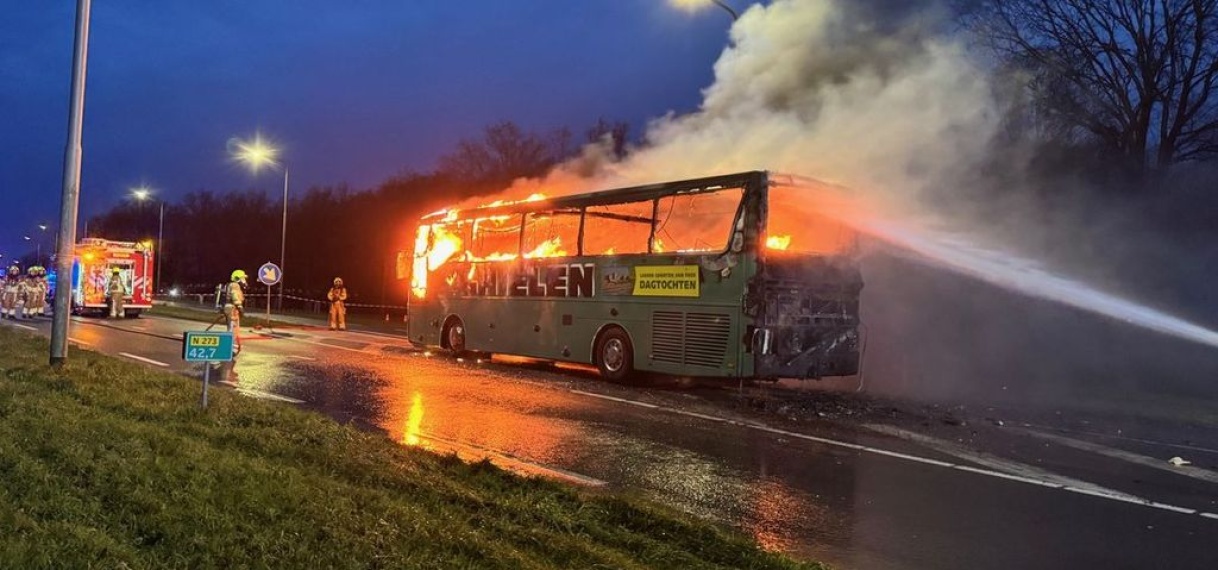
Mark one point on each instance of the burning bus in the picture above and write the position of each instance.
(95, 261)
(723, 276)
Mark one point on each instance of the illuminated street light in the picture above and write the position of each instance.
(256, 154)
(692, 5)
(141, 194)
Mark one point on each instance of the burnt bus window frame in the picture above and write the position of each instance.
(741, 204)
(552, 212)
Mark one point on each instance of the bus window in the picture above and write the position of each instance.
(495, 238)
(551, 234)
(699, 222)
(798, 223)
(617, 228)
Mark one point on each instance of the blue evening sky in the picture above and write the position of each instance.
(354, 91)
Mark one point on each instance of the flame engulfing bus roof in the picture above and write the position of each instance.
(686, 217)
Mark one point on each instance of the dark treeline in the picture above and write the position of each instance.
(336, 231)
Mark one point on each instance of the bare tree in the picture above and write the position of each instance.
(505, 152)
(615, 132)
(1137, 75)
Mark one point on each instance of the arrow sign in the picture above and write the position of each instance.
(269, 274)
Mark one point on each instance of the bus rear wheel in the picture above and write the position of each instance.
(615, 355)
(454, 335)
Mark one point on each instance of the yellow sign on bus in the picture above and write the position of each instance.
(666, 281)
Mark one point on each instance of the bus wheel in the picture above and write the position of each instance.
(454, 335)
(614, 355)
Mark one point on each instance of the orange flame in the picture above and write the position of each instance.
(548, 248)
(778, 242)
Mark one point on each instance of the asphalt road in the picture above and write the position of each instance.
(856, 494)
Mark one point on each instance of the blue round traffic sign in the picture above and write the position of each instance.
(269, 274)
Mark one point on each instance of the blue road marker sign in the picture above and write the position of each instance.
(200, 346)
(269, 274)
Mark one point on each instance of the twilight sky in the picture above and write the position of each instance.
(354, 91)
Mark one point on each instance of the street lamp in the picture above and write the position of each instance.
(699, 4)
(141, 194)
(256, 154)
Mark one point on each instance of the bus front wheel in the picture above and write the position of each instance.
(615, 355)
(454, 335)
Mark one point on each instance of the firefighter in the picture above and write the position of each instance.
(9, 296)
(34, 295)
(44, 290)
(338, 305)
(234, 306)
(115, 291)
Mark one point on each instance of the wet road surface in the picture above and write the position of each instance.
(839, 492)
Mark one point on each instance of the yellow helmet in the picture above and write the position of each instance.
(116, 270)
(238, 275)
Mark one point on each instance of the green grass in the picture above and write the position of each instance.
(108, 464)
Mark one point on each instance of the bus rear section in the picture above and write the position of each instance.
(804, 299)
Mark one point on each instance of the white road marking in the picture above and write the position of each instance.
(513, 463)
(914, 458)
(80, 342)
(993, 462)
(268, 396)
(26, 327)
(300, 357)
(259, 393)
(1160, 464)
(142, 359)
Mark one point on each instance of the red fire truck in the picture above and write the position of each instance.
(96, 260)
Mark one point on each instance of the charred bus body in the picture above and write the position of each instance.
(727, 276)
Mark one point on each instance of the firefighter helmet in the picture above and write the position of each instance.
(116, 270)
(14, 271)
(338, 281)
(239, 276)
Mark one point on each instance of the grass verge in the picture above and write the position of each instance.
(105, 463)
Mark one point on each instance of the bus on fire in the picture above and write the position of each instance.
(730, 276)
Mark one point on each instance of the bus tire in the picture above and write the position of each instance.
(452, 336)
(614, 355)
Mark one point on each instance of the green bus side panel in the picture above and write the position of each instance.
(697, 336)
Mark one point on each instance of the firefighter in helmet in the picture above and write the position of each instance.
(115, 292)
(234, 306)
(35, 292)
(338, 305)
(44, 290)
(9, 296)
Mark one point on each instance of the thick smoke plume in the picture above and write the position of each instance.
(804, 88)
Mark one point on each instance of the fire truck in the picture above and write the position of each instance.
(96, 259)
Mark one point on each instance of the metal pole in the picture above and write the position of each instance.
(70, 200)
(206, 381)
(160, 242)
(283, 242)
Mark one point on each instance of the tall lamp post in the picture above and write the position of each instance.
(256, 154)
(143, 193)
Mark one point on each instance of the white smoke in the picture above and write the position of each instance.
(804, 89)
